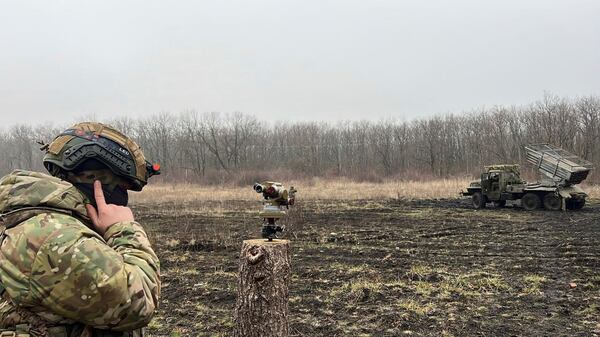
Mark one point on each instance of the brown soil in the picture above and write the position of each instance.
(387, 268)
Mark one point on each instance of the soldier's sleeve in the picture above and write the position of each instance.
(110, 283)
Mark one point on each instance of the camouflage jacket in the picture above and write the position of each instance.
(55, 266)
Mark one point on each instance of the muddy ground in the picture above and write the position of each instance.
(388, 268)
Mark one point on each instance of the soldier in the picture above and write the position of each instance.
(73, 261)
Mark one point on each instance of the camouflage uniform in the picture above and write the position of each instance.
(60, 277)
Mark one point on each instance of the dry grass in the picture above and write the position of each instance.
(314, 189)
(592, 190)
(319, 189)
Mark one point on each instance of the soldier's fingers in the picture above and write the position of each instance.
(92, 213)
(99, 195)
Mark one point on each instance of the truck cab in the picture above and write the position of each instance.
(498, 183)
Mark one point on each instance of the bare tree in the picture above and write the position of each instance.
(203, 146)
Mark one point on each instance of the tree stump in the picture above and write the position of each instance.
(262, 302)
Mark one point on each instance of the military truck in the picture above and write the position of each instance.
(560, 171)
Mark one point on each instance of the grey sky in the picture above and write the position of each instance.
(281, 59)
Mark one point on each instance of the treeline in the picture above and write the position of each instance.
(237, 147)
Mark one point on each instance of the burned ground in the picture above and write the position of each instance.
(387, 268)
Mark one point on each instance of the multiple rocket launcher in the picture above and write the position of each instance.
(558, 165)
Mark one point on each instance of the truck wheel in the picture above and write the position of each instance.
(531, 201)
(579, 204)
(500, 203)
(552, 202)
(575, 204)
(478, 200)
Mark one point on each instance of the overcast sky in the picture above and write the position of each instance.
(290, 60)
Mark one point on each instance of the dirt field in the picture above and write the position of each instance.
(387, 267)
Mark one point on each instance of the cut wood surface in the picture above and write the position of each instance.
(262, 302)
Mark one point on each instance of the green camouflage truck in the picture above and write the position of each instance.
(561, 172)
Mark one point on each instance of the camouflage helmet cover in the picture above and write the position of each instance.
(91, 140)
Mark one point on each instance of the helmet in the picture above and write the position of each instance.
(91, 145)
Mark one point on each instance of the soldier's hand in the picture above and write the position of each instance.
(106, 215)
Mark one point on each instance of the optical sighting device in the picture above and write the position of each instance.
(276, 200)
